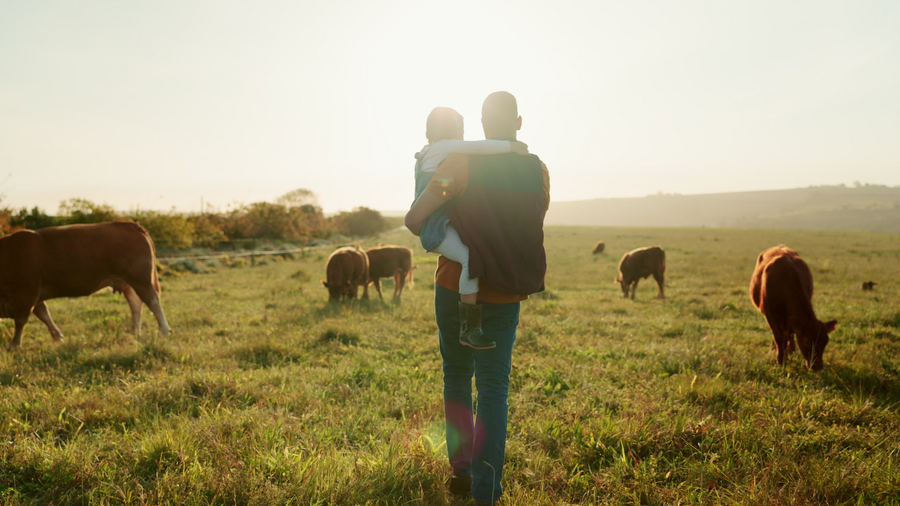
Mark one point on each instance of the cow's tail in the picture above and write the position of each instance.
(410, 278)
(407, 266)
(154, 275)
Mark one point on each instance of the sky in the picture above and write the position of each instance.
(170, 104)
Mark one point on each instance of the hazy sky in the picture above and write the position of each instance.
(159, 104)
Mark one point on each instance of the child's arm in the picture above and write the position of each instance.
(488, 147)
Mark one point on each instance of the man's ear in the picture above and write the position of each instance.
(519, 123)
(323, 283)
(829, 326)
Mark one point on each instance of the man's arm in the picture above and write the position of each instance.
(426, 204)
(546, 186)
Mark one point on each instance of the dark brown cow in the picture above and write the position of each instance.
(75, 261)
(868, 286)
(599, 247)
(782, 288)
(639, 264)
(387, 261)
(347, 269)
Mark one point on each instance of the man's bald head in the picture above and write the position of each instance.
(500, 116)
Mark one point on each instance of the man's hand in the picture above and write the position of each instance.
(426, 204)
(519, 148)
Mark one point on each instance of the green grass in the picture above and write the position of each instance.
(264, 394)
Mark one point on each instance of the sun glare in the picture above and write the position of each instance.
(433, 55)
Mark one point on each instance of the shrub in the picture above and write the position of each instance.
(85, 211)
(170, 230)
(5, 226)
(207, 230)
(295, 217)
(262, 220)
(34, 220)
(300, 197)
(363, 221)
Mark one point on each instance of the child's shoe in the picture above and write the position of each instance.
(470, 333)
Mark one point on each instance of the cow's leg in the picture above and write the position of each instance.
(151, 298)
(134, 302)
(779, 335)
(377, 285)
(20, 320)
(399, 281)
(660, 281)
(43, 314)
(634, 288)
(790, 345)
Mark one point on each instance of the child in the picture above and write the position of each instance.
(444, 130)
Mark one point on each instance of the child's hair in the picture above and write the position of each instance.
(443, 123)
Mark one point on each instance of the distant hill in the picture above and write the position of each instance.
(872, 208)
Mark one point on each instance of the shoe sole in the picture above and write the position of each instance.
(477, 347)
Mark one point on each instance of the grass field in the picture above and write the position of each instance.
(264, 394)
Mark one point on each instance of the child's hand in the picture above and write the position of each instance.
(519, 148)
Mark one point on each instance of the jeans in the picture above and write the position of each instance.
(477, 448)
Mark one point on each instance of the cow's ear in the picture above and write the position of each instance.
(323, 283)
(617, 280)
(829, 326)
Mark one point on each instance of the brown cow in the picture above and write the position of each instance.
(868, 286)
(599, 247)
(75, 261)
(347, 269)
(639, 264)
(782, 288)
(387, 261)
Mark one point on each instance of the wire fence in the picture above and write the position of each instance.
(243, 254)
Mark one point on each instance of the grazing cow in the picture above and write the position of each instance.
(868, 286)
(347, 269)
(782, 288)
(639, 264)
(75, 261)
(599, 247)
(387, 261)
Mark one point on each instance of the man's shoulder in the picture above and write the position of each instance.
(454, 164)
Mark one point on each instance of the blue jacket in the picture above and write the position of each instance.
(435, 227)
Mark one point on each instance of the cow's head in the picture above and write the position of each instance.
(335, 290)
(623, 285)
(812, 340)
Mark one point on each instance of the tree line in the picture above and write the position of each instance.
(294, 217)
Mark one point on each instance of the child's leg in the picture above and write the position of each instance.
(470, 333)
(453, 248)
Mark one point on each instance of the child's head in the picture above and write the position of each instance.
(443, 123)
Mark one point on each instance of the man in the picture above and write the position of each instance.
(497, 205)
